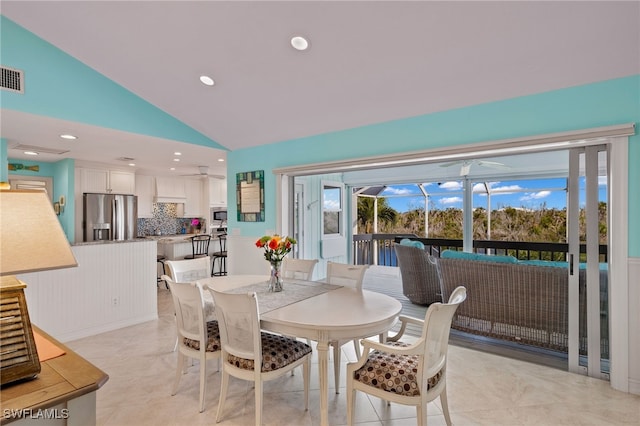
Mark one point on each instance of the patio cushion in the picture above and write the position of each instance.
(454, 254)
(393, 373)
(277, 352)
(213, 334)
(411, 243)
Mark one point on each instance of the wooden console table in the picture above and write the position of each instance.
(64, 393)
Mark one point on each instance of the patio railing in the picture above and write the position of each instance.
(377, 249)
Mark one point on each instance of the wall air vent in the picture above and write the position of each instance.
(39, 149)
(11, 79)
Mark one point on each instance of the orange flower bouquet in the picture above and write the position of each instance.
(275, 249)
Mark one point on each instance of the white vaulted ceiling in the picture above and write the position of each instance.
(368, 62)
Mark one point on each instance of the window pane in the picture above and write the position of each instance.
(331, 198)
(331, 223)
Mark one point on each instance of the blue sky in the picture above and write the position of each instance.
(530, 194)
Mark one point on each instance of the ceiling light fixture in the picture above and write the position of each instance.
(132, 164)
(172, 168)
(206, 80)
(177, 153)
(299, 43)
(176, 159)
(67, 136)
(221, 159)
(31, 153)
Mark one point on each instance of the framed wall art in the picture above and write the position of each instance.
(250, 196)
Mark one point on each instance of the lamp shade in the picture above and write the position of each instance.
(31, 237)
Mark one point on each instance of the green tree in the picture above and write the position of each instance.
(386, 214)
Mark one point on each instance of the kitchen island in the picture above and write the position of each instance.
(113, 286)
(176, 247)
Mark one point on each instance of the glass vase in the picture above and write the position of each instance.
(275, 282)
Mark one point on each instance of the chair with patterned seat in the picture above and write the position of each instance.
(418, 369)
(245, 346)
(197, 338)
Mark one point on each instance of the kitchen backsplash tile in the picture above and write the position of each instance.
(164, 221)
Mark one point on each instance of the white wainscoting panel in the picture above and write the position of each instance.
(114, 286)
(634, 325)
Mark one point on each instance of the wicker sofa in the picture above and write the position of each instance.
(506, 299)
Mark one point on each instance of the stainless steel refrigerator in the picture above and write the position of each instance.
(109, 217)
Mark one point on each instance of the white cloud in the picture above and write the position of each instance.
(451, 186)
(535, 195)
(450, 200)
(331, 204)
(397, 191)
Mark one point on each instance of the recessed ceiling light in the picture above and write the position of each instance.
(221, 159)
(177, 153)
(206, 80)
(67, 136)
(132, 164)
(299, 43)
(176, 159)
(172, 168)
(31, 153)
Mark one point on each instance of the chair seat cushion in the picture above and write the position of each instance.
(393, 373)
(277, 352)
(213, 343)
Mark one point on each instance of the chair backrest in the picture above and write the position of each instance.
(188, 270)
(223, 244)
(301, 269)
(345, 274)
(188, 302)
(420, 272)
(435, 333)
(239, 324)
(200, 244)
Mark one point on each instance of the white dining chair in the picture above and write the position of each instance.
(197, 338)
(418, 370)
(349, 276)
(301, 269)
(189, 270)
(245, 346)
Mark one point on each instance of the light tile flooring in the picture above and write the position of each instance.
(483, 389)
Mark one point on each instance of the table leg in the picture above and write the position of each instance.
(323, 372)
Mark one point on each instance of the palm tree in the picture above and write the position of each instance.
(366, 215)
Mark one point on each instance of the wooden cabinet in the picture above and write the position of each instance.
(145, 186)
(217, 192)
(107, 181)
(193, 205)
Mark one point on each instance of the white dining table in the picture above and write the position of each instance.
(320, 312)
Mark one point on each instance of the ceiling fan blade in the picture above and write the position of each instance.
(453, 163)
(493, 164)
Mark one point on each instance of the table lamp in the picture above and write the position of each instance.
(31, 240)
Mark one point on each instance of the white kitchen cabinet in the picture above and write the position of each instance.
(145, 186)
(107, 181)
(217, 192)
(193, 205)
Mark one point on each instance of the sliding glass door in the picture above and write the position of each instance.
(588, 263)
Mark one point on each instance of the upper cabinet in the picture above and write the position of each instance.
(145, 190)
(107, 181)
(217, 192)
(193, 205)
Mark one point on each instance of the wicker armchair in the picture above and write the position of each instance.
(420, 272)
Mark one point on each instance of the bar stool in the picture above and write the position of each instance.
(161, 260)
(220, 255)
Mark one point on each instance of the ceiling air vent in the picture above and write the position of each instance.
(11, 79)
(39, 149)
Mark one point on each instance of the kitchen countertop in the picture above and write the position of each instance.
(92, 243)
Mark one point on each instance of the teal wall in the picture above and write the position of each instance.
(63, 175)
(4, 163)
(601, 104)
(57, 85)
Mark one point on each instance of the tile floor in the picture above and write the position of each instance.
(483, 389)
